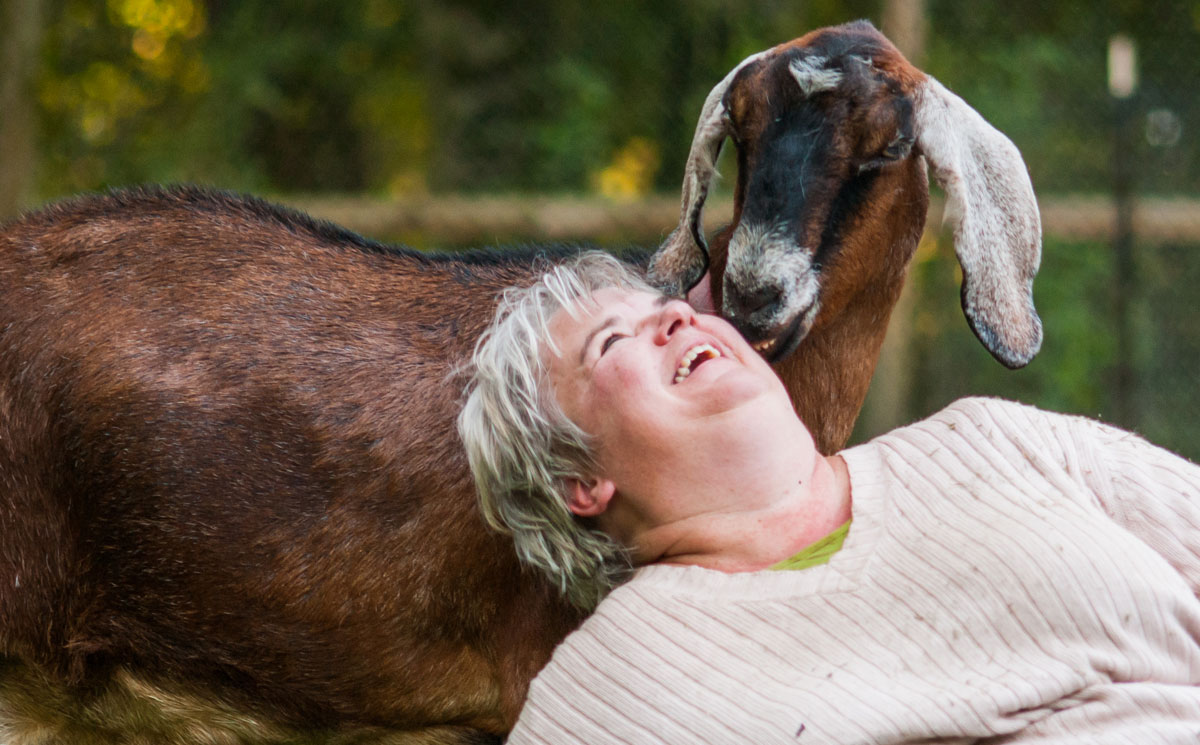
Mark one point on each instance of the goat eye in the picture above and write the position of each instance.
(898, 148)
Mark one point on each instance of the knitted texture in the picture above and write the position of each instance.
(1010, 576)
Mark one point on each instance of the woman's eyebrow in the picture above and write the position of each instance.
(587, 342)
(659, 302)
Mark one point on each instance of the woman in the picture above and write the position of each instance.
(1008, 575)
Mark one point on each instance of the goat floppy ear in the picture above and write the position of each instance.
(997, 228)
(682, 259)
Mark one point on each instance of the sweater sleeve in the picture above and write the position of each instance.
(1148, 490)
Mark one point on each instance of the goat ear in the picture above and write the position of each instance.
(997, 228)
(682, 259)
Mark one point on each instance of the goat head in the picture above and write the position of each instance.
(833, 131)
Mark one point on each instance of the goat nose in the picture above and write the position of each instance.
(760, 302)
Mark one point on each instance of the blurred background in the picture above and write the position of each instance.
(473, 123)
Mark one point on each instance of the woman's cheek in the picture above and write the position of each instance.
(627, 377)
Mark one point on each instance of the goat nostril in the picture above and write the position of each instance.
(762, 300)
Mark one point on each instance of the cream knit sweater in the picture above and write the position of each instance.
(1010, 576)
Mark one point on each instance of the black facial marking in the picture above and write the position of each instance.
(791, 166)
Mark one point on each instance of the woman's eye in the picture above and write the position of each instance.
(608, 342)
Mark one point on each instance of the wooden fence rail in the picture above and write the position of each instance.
(483, 220)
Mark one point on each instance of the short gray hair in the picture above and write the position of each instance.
(523, 449)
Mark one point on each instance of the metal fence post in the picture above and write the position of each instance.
(1122, 83)
(889, 402)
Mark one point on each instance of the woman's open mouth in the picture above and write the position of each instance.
(695, 357)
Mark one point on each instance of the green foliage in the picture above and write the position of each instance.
(118, 78)
(1168, 347)
(1070, 294)
(541, 95)
(387, 95)
(302, 96)
(1073, 372)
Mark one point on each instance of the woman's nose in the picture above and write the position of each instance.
(675, 315)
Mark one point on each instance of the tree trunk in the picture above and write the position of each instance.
(20, 42)
(889, 401)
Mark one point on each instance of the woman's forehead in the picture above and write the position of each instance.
(608, 297)
(610, 302)
(572, 326)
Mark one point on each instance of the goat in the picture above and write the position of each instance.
(232, 503)
(834, 131)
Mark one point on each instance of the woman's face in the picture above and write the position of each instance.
(651, 379)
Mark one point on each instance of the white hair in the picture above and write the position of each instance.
(522, 448)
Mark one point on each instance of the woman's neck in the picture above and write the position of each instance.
(778, 512)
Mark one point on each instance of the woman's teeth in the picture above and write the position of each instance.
(701, 352)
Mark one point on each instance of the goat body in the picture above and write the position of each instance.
(228, 458)
(232, 500)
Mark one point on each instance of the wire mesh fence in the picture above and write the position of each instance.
(1079, 365)
(1109, 132)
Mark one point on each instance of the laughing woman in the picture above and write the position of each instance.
(992, 574)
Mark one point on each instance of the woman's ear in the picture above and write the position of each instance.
(590, 498)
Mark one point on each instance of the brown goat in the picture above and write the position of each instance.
(232, 503)
(833, 132)
(230, 475)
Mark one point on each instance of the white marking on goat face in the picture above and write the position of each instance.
(813, 76)
(766, 257)
(684, 255)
